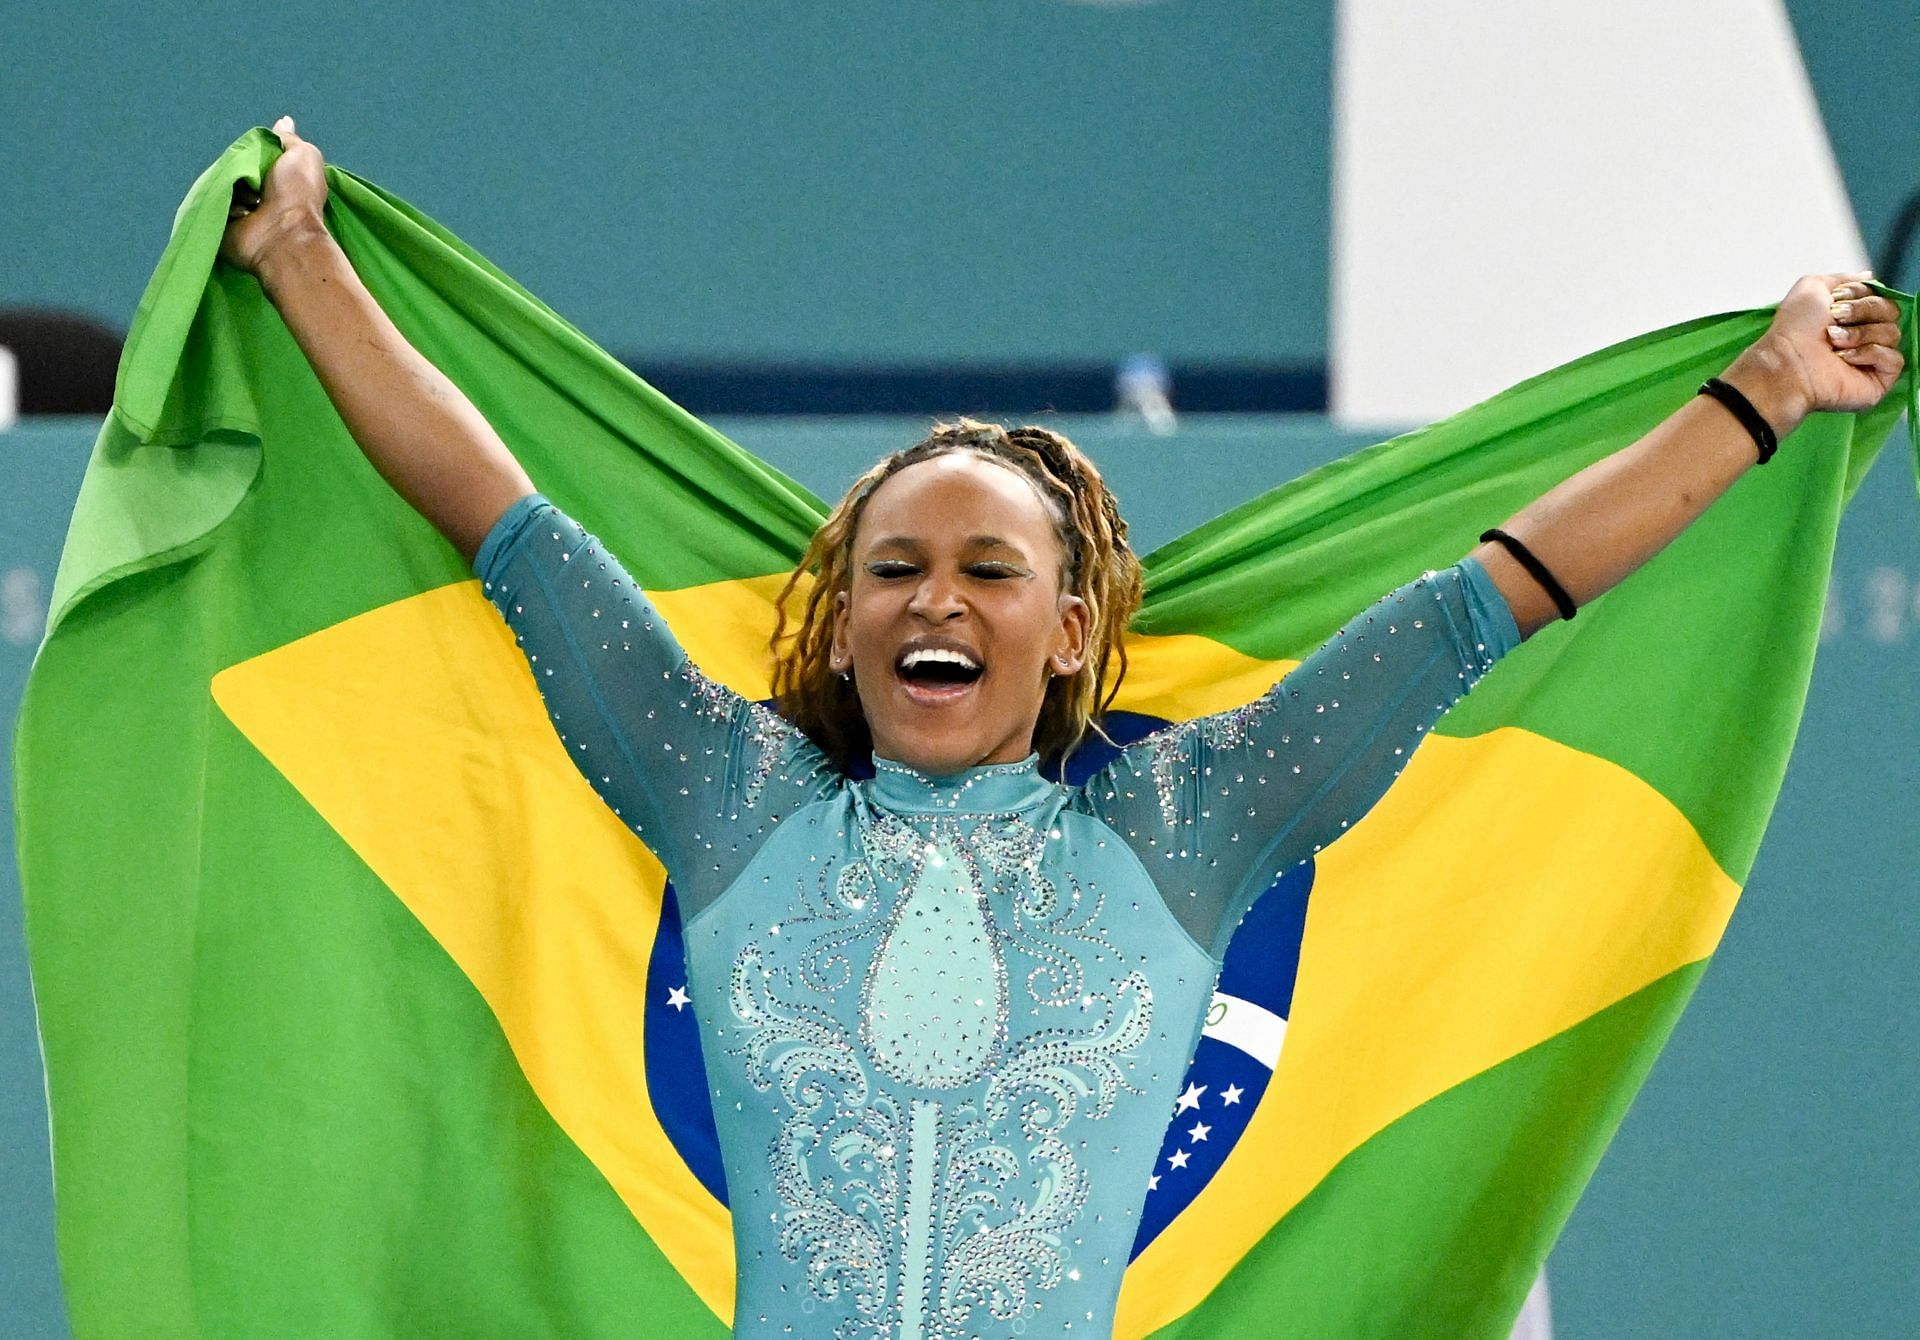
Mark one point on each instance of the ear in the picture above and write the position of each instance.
(1070, 646)
(840, 649)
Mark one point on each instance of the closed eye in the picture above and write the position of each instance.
(888, 569)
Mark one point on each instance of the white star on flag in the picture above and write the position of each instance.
(678, 998)
(1199, 1131)
(1153, 1181)
(1231, 1094)
(1190, 1099)
(1179, 1159)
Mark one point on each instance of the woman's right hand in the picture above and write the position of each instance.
(291, 203)
(421, 433)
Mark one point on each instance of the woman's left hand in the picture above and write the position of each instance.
(1834, 345)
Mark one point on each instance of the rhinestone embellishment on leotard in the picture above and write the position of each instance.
(767, 732)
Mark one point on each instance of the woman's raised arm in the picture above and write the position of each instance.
(1219, 807)
(1833, 345)
(420, 432)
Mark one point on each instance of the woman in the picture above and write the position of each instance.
(944, 1011)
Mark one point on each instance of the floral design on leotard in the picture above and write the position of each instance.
(923, 1160)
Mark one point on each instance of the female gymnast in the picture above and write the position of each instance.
(944, 1011)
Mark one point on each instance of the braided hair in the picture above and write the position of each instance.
(1100, 568)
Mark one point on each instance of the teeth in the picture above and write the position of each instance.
(927, 655)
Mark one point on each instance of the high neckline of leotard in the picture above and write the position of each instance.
(995, 788)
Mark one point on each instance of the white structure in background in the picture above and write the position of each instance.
(1517, 184)
(9, 387)
(1535, 1321)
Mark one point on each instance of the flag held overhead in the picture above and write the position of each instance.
(360, 1009)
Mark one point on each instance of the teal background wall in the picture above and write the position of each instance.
(995, 180)
(42, 466)
(991, 181)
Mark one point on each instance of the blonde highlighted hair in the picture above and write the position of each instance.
(1099, 567)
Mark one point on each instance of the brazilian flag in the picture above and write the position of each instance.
(362, 1017)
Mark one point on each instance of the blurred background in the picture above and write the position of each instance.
(1219, 242)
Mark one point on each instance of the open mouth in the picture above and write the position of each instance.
(934, 675)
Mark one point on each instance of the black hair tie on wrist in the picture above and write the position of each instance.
(1537, 570)
(1750, 418)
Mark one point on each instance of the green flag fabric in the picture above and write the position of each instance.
(355, 1004)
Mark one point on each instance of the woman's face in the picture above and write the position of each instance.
(955, 621)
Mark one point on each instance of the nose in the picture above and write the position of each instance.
(937, 599)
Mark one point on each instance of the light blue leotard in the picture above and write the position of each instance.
(944, 1018)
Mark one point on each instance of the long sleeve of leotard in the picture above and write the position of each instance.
(698, 772)
(1219, 807)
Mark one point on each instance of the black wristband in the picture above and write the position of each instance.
(1750, 418)
(1537, 570)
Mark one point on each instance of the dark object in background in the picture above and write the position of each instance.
(715, 388)
(67, 361)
